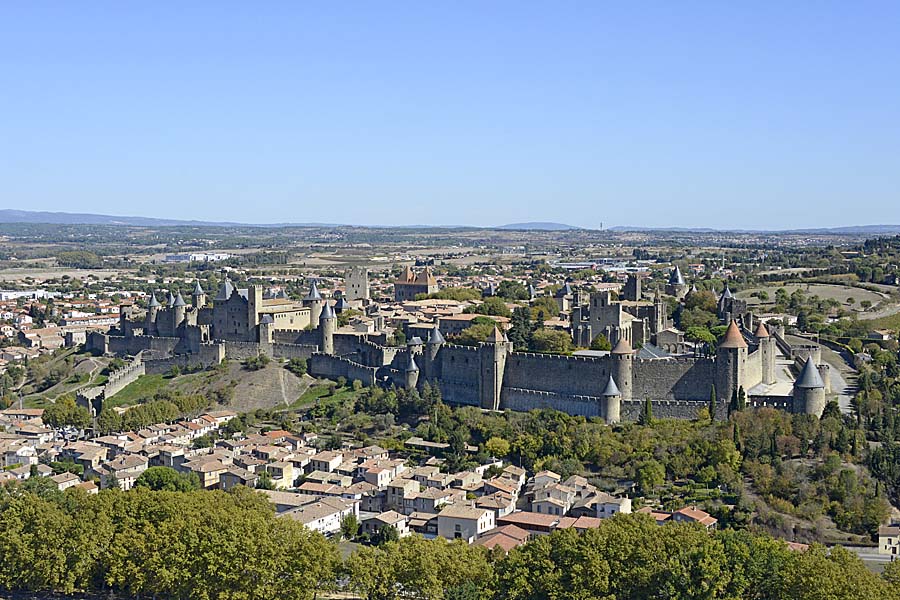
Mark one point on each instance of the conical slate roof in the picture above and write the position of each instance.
(761, 331)
(623, 346)
(415, 341)
(727, 292)
(179, 301)
(611, 388)
(225, 291)
(313, 293)
(809, 377)
(197, 289)
(411, 365)
(327, 312)
(532, 293)
(733, 337)
(676, 278)
(171, 300)
(435, 336)
(565, 290)
(266, 320)
(154, 303)
(341, 305)
(495, 337)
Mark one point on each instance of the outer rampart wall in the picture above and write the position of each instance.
(673, 379)
(663, 409)
(563, 375)
(242, 350)
(289, 351)
(524, 400)
(332, 367)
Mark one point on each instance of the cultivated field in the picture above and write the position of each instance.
(841, 293)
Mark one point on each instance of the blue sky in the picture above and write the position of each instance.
(752, 114)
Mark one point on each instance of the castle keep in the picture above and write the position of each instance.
(241, 323)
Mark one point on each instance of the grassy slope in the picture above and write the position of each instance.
(270, 387)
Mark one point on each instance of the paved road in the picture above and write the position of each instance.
(874, 561)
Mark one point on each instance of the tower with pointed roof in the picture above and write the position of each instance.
(152, 313)
(225, 291)
(676, 286)
(430, 362)
(198, 296)
(315, 302)
(411, 373)
(611, 402)
(809, 390)
(179, 306)
(492, 353)
(623, 367)
(731, 361)
(327, 326)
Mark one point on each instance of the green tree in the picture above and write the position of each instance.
(414, 567)
(650, 476)
(168, 479)
(264, 481)
(497, 447)
(552, 341)
(65, 413)
(349, 526)
(493, 306)
(601, 342)
(646, 416)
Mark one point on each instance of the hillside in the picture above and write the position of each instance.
(240, 389)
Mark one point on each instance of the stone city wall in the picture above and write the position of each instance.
(673, 379)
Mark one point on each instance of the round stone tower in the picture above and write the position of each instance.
(731, 359)
(809, 391)
(327, 325)
(315, 303)
(767, 353)
(411, 373)
(611, 402)
(152, 310)
(432, 347)
(179, 305)
(623, 367)
(198, 296)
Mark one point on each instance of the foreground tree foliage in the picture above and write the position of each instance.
(206, 545)
(417, 568)
(630, 557)
(159, 544)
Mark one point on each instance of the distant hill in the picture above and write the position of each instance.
(65, 218)
(8, 215)
(846, 230)
(538, 226)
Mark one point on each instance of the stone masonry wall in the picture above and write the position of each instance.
(563, 375)
(332, 367)
(524, 400)
(673, 379)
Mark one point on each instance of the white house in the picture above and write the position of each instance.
(457, 522)
(889, 540)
